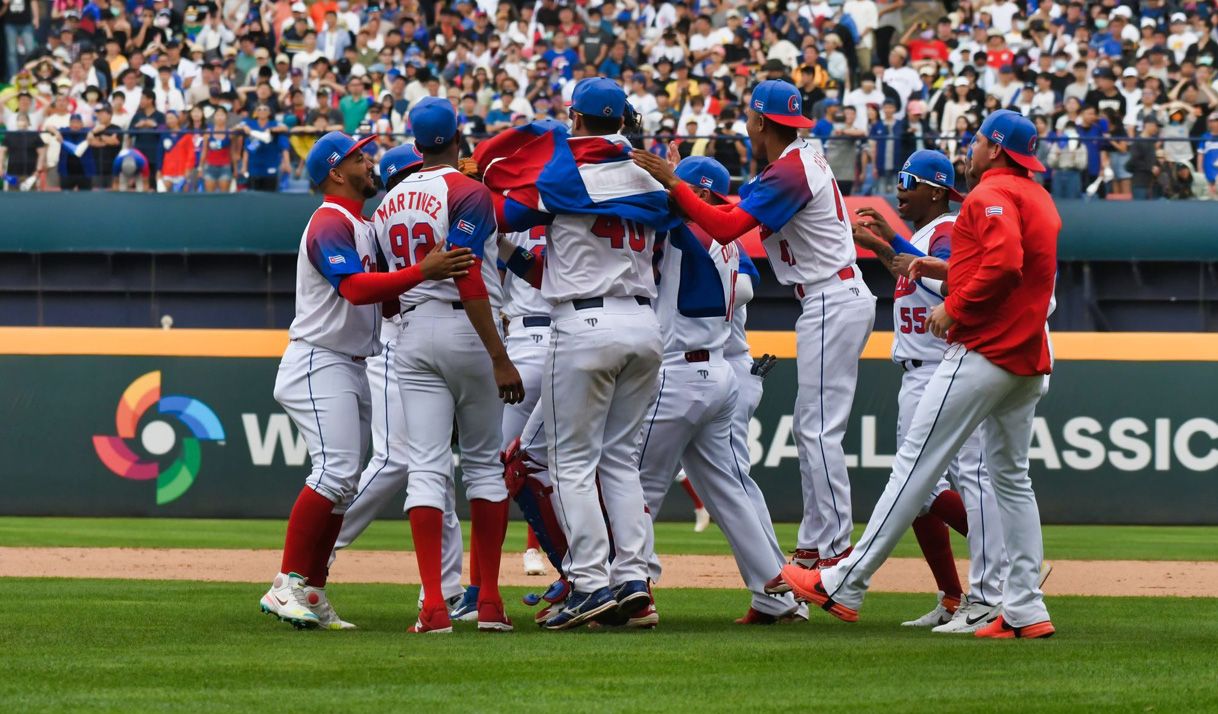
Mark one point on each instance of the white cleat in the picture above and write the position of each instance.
(970, 617)
(286, 600)
(941, 615)
(1045, 568)
(534, 564)
(327, 618)
(701, 520)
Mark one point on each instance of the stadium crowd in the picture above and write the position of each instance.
(223, 95)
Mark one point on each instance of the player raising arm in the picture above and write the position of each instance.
(807, 239)
(1001, 275)
(322, 382)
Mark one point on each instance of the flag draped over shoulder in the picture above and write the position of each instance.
(701, 292)
(543, 168)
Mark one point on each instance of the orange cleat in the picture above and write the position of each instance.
(1000, 630)
(806, 585)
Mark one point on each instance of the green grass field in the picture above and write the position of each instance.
(134, 646)
(121, 646)
(1062, 542)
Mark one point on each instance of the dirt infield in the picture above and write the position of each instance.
(1070, 577)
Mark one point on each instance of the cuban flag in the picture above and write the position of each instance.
(543, 169)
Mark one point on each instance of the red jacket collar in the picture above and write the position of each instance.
(1003, 171)
(355, 208)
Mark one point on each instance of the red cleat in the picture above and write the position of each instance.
(806, 557)
(1000, 630)
(830, 562)
(756, 617)
(432, 622)
(491, 618)
(806, 585)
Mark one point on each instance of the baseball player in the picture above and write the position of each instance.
(322, 383)
(528, 340)
(924, 189)
(604, 356)
(443, 365)
(807, 237)
(691, 417)
(1000, 284)
(385, 475)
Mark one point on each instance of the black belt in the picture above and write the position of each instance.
(456, 306)
(535, 321)
(908, 364)
(586, 303)
(697, 356)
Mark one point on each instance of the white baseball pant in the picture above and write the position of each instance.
(385, 475)
(965, 391)
(830, 335)
(690, 422)
(326, 395)
(748, 396)
(600, 375)
(527, 348)
(987, 556)
(445, 373)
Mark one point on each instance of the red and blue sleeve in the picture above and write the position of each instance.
(779, 192)
(471, 222)
(941, 242)
(330, 242)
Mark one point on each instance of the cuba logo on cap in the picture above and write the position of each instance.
(1032, 144)
(391, 169)
(907, 163)
(997, 136)
(706, 181)
(759, 105)
(333, 158)
(793, 103)
(940, 176)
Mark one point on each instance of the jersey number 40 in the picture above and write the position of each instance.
(619, 233)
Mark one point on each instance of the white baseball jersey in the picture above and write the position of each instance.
(432, 205)
(601, 256)
(805, 228)
(685, 334)
(737, 345)
(336, 243)
(912, 303)
(519, 297)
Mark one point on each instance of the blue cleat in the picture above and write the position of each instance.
(466, 610)
(632, 598)
(582, 607)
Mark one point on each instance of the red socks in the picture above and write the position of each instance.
(488, 527)
(937, 549)
(321, 557)
(949, 507)
(307, 530)
(532, 541)
(427, 528)
(693, 495)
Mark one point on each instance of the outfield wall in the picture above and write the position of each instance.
(1127, 434)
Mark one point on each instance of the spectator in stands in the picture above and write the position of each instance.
(77, 164)
(218, 150)
(1068, 159)
(22, 155)
(1144, 161)
(1117, 152)
(147, 124)
(177, 154)
(1207, 155)
(266, 156)
(884, 160)
(107, 140)
(21, 19)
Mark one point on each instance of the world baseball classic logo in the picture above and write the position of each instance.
(158, 438)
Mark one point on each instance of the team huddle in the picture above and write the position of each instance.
(575, 310)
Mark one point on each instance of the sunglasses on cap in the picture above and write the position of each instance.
(908, 182)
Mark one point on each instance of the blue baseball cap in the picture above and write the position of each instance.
(779, 102)
(705, 172)
(934, 168)
(330, 151)
(400, 160)
(599, 97)
(434, 121)
(1016, 134)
